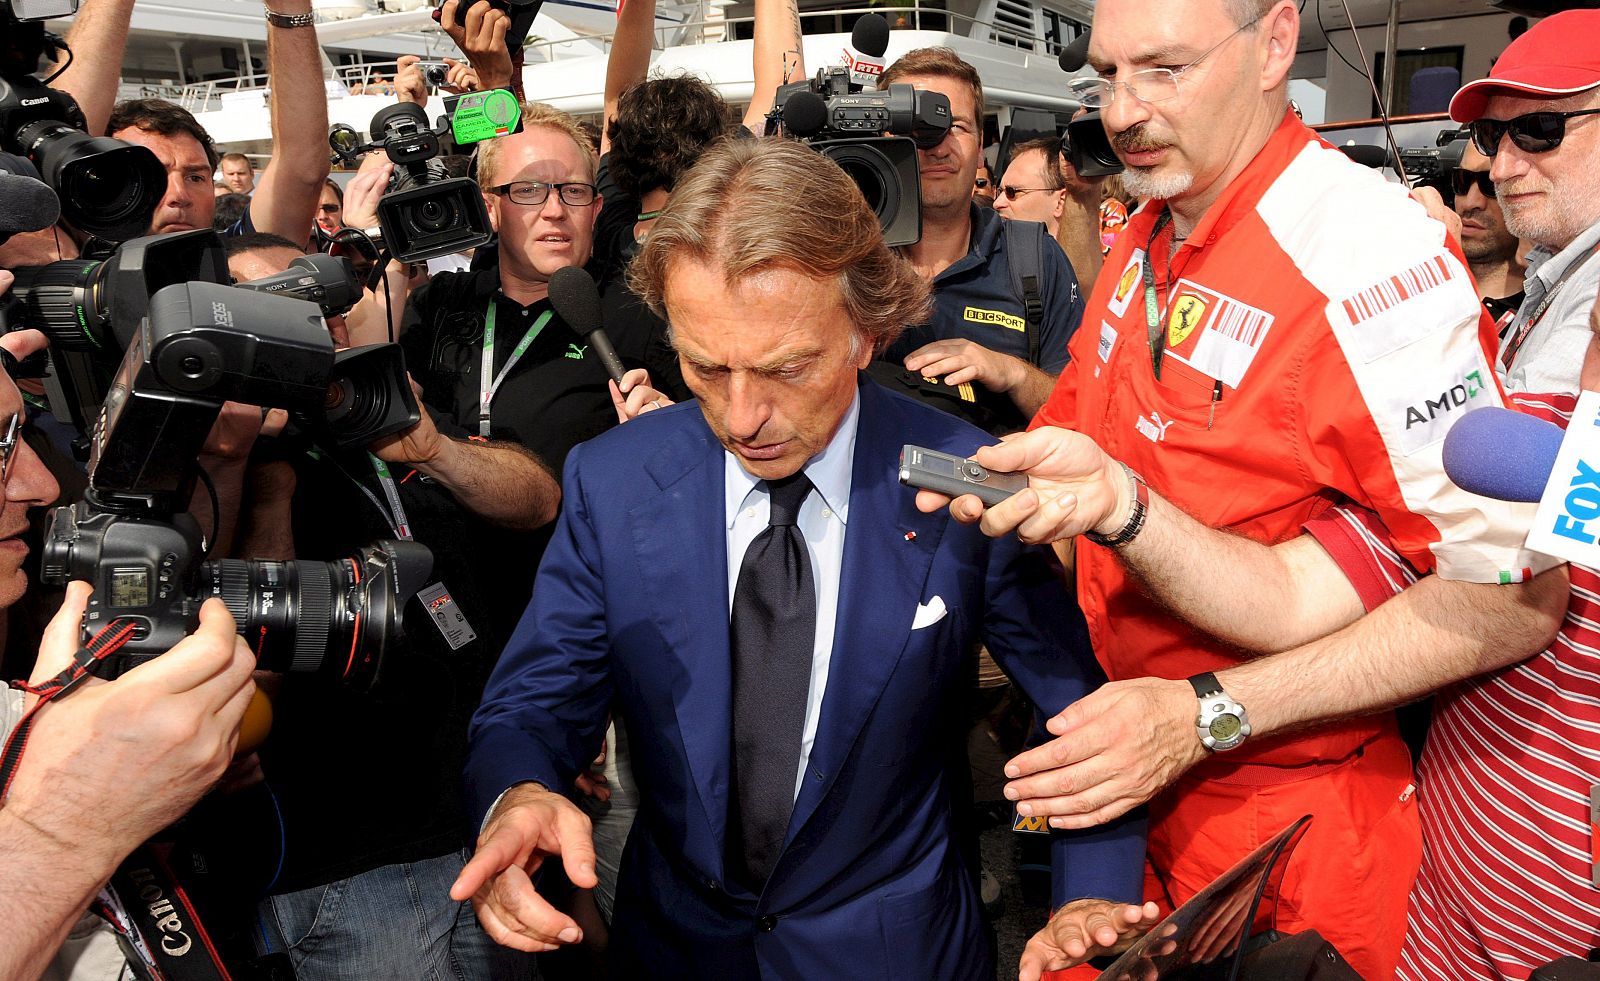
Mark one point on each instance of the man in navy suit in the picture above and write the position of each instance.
(745, 584)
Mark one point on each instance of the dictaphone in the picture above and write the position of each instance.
(953, 475)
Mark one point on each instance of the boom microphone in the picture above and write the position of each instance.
(869, 39)
(26, 205)
(1075, 55)
(577, 301)
(1501, 453)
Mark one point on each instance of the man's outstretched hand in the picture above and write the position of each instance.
(1084, 929)
(529, 824)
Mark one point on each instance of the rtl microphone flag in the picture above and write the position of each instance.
(869, 39)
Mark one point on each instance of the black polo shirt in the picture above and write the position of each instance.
(974, 298)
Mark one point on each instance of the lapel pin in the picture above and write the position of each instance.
(911, 536)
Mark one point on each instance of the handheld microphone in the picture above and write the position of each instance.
(869, 39)
(577, 301)
(1501, 453)
(26, 205)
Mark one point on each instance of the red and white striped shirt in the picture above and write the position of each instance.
(1506, 777)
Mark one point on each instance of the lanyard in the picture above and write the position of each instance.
(488, 381)
(395, 513)
(1543, 306)
(1152, 312)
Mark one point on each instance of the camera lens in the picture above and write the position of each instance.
(873, 173)
(66, 300)
(434, 215)
(336, 619)
(107, 187)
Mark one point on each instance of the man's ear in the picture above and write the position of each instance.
(1282, 27)
(491, 202)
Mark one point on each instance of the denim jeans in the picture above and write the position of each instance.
(396, 922)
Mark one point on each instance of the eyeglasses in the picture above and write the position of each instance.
(1534, 132)
(1462, 181)
(329, 209)
(8, 446)
(1007, 190)
(981, 182)
(575, 194)
(1150, 85)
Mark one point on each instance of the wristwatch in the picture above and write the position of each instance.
(289, 20)
(1222, 722)
(1135, 523)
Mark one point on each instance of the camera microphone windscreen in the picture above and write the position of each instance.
(26, 205)
(1502, 453)
(577, 301)
(869, 39)
(804, 113)
(1367, 155)
(1075, 55)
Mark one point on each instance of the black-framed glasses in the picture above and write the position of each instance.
(575, 194)
(1463, 180)
(9, 444)
(1149, 85)
(1534, 132)
(1017, 192)
(981, 182)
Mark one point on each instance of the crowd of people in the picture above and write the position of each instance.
(695, 685)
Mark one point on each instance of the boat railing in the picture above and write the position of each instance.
(377, 77)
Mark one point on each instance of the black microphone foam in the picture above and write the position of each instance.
(870, 36)
(804, 113)
(577, 301)
(1075, 55)
(26, 205)
(1367, 155)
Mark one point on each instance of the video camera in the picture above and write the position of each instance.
(834, 115)
(91, 309)
(425, 212)
(200, 344)
(108, 188)
(1430, 166)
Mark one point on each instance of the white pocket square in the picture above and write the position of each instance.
(929, 613)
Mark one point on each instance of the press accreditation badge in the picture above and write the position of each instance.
(447, 616)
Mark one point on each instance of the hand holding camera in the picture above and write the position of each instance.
(480, 29)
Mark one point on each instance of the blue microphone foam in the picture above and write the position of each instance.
(1501, 453)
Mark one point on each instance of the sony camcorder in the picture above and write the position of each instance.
(874, 136)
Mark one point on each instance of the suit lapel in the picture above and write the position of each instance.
(679, 537)
(888, 551)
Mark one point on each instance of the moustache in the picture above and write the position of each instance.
(1136, 140)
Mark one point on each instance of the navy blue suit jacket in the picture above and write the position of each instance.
(630, 611)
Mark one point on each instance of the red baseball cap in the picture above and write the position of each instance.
(1558, 56)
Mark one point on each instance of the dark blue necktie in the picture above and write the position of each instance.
(773, 636)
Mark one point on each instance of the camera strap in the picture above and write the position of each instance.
(394, 514)
(488, 381)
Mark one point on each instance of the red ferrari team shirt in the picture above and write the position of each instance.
(1321, 334)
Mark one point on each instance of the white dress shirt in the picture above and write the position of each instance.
(822, 521)
(1551, 359)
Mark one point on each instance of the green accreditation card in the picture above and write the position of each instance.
(482, 116)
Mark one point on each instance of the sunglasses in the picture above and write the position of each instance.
(981, 181)
(1535, 132)
(1462, 181)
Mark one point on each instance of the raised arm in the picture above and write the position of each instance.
(98, 38)
(629, 60)
(777, 57)
(285, 202)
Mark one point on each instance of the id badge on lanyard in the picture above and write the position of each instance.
(488, 381)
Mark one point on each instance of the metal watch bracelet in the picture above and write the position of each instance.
(1136, 516)
(276, 19)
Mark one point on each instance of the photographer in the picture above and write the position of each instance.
(367, 784)
(547, 389)
(982, 331)
(75, 808)
(285, 200)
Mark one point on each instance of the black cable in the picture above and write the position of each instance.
(1383, 110)
(61, 45)
(1335, 48)
(216, 511)
(379, 269)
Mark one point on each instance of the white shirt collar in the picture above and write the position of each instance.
(828, 471)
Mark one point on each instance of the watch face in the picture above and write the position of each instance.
(1225, 728)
